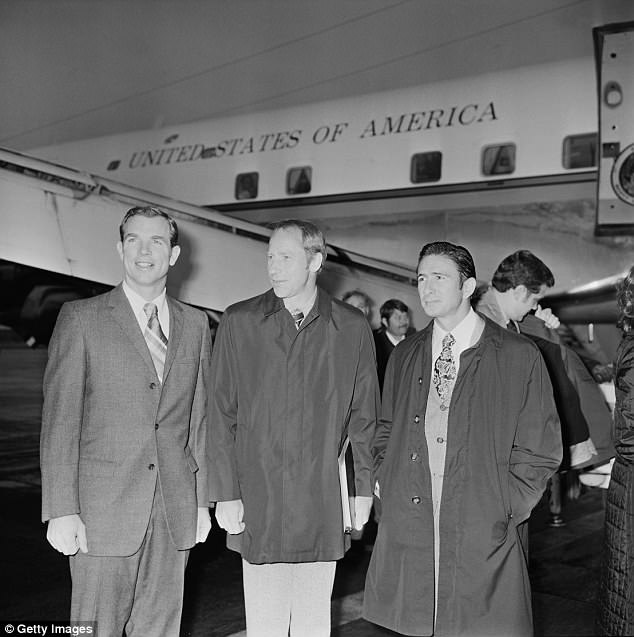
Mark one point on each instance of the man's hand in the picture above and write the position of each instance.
(546, 315)
(362, 508)
(203, 525)
(67, 534)
(229, 515)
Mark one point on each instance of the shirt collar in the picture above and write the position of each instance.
(323, 306)
(307, 308)
(138, 302)
(395, 341)
(463, 332)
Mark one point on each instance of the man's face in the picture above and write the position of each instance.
(441, 294)
(522, 301)
(398, 323)
(146, 253)
(360, 303)
(290, 269)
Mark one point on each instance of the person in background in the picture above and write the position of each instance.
(518, 284)
(394, 328)
(616, 590)
(293, 376)
(360, 300)
(467, 439)
(123, 443)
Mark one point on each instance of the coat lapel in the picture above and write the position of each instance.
(176, 330)
(124, 316)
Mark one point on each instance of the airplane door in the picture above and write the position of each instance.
(614, 56)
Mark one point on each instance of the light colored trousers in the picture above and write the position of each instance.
(288, 599)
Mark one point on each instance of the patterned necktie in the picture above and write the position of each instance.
(298, 317)
(155, 339)
(445, 372)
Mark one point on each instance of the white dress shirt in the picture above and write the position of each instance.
(137, 302)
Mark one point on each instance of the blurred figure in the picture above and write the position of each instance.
(616, 591)
(360, 300)
(394, 328)
(467, 439)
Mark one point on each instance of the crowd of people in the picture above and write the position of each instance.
(453, 433)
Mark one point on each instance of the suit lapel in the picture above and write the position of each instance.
(122, 313)
(176, 329)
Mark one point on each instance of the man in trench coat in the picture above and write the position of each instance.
(467, 439)
(293, 374)
(123, 443)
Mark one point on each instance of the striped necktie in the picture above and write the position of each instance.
(298, 317)
(155, 339)
(445, 372)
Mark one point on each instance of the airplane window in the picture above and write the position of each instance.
(498, 160)
(425, 167)
(580, 151)
(113, 165)
(247, 185)
(299, 180)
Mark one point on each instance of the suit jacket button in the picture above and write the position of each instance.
(152, 385)
(151, 467)
(414, 456)
(416, 500)
(155, 425)
(416, 418)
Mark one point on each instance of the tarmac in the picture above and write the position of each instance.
(564, 561)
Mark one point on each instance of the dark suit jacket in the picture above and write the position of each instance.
(384, 348)
(109, 428)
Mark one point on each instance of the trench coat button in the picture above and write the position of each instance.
(416, 418)
(440, 439)
(414, 456)
(420, 380)
(156, 425)
(152, 385)
(151, 466)
(416, 500)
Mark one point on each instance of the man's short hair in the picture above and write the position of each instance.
(150, 211)
(312, 237)
(522, 268)
(458, 254)
(388, 308)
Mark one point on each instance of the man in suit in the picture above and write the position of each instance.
(394, 328)
(124, 480)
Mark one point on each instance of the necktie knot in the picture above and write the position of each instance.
(445, 372)
(448, 341)
(151, 311)
(298, 317)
